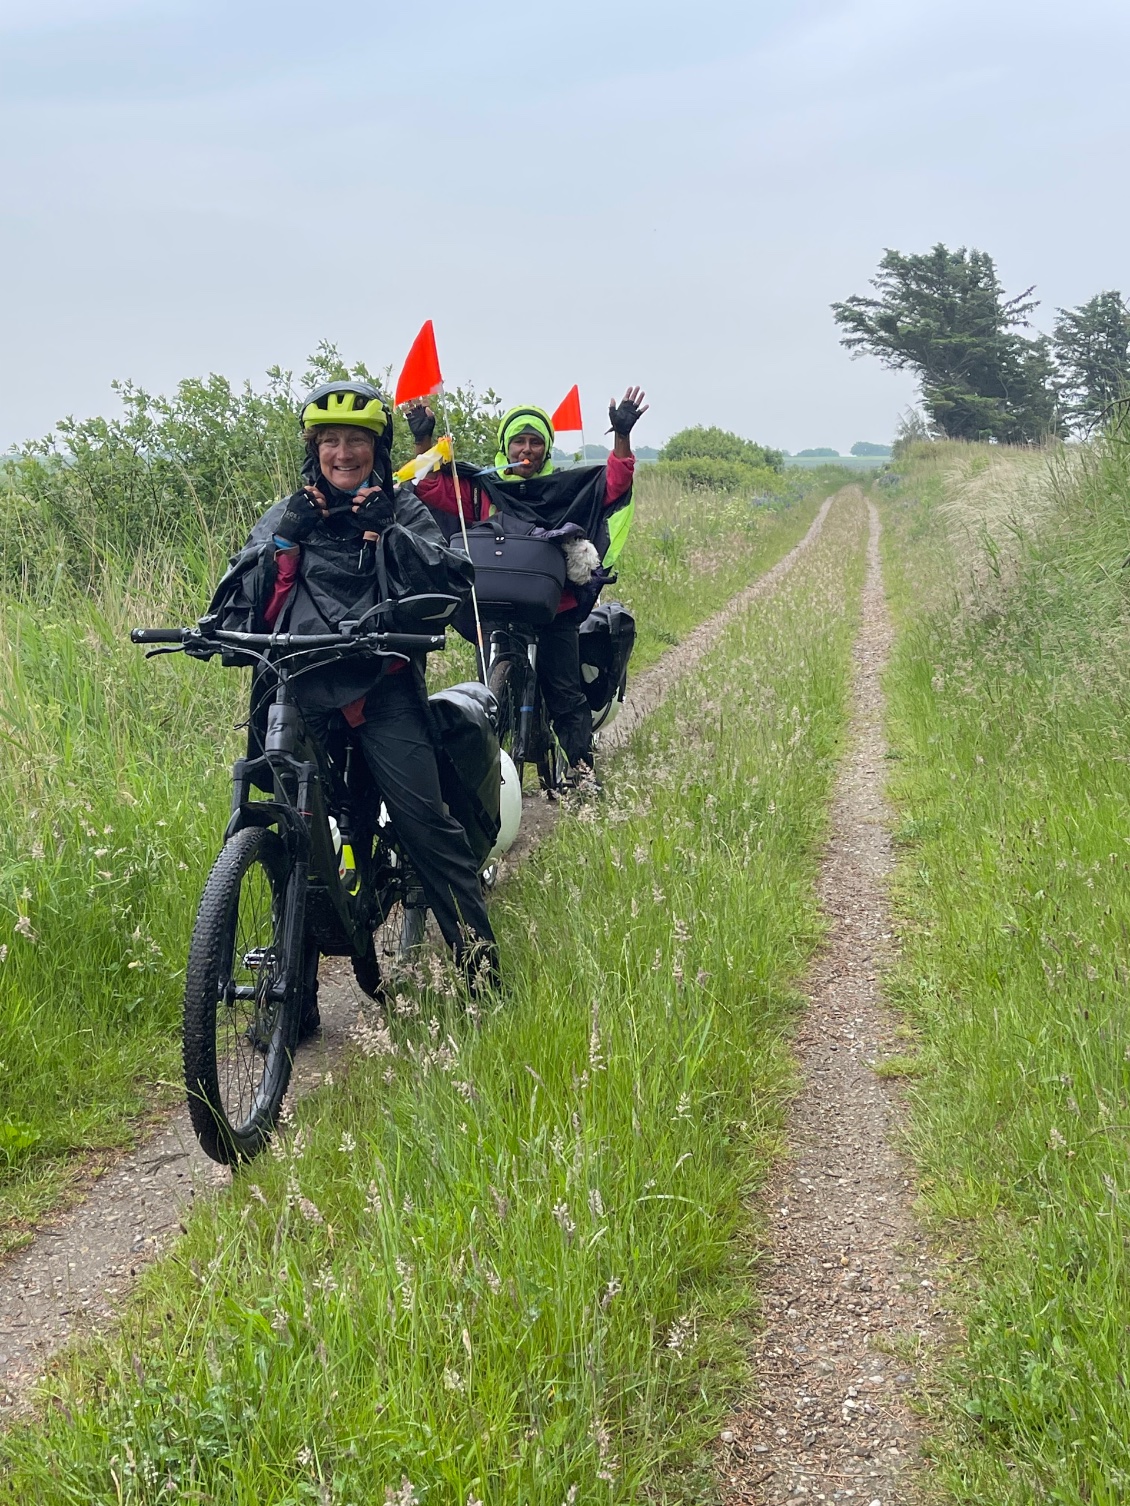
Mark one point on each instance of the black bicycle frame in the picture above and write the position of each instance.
(519, 647)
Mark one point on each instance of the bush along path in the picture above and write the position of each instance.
(73, 1276)
(848, 1298)
(499, 1264)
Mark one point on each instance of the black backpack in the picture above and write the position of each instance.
(608, 635)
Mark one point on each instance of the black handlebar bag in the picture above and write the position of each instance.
(517, 578)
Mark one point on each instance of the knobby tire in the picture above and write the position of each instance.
(240, 1032)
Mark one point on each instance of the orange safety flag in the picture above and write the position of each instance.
(420, 374)
(567, 414)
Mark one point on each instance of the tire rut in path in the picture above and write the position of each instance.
(76, 1271)
(845, 1284)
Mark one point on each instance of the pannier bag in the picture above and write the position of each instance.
(608, 635)
(517, 578)
(464, 718)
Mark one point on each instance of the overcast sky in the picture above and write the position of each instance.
(598, 192)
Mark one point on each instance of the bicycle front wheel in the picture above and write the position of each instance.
(242, 998)
(506, 681)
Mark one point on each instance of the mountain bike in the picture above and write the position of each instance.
(309, 866)
(523, 721)
(524, 728)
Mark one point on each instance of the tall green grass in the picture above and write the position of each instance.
(1009, 706)
(499, 1264)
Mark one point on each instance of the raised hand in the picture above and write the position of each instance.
(625, 414)
(421, 420)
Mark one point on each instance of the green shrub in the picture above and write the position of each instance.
(713, 443)
(171, 471)
(704, 474)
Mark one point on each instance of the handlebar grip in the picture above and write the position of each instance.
(157, 635)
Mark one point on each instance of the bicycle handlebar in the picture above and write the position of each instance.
(396, 643)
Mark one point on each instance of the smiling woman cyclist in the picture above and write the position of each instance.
(346, 540)
(573, 505)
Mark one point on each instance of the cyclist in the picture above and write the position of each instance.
(345, 541)
(569, 504)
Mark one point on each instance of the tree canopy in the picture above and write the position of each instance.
(1092, 354)
(943, 315)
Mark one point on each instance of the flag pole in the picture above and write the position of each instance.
(481, 654)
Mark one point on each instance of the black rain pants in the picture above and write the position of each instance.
(398, 749)
(559, 674)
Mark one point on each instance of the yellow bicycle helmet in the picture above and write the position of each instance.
(356, 403)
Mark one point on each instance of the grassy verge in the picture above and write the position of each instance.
(498, 1264)
(1008, 704)
(114, 791)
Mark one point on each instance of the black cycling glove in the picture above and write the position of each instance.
(623, 416)
(421, 422)
(375, 513)
(299, 518)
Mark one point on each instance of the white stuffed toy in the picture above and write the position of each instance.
(581, 559)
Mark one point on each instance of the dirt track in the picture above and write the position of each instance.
(75, 1272)
(847, 1296)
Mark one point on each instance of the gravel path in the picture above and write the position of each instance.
(73, 1275)
(847, 1297)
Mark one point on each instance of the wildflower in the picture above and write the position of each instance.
(452, 1380)
(348, 1144)
(23, 928)
(406, 1271)
(680, 1335)
(328, 1080)
(603, 1439)
(466, 1090)
(610, 1291)
(683, 1107)
(596, 1058)
(568, 1227)
(405, 1496)
(309, 1211)
(640, 854)
(325, 1281)
(305, 1456)
(373, 1040)
(501, 1204)
(1056, 1140)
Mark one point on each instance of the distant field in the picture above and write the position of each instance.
(852, 462)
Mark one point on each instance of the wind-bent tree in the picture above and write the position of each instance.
(943, 315)
(1092, 353)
